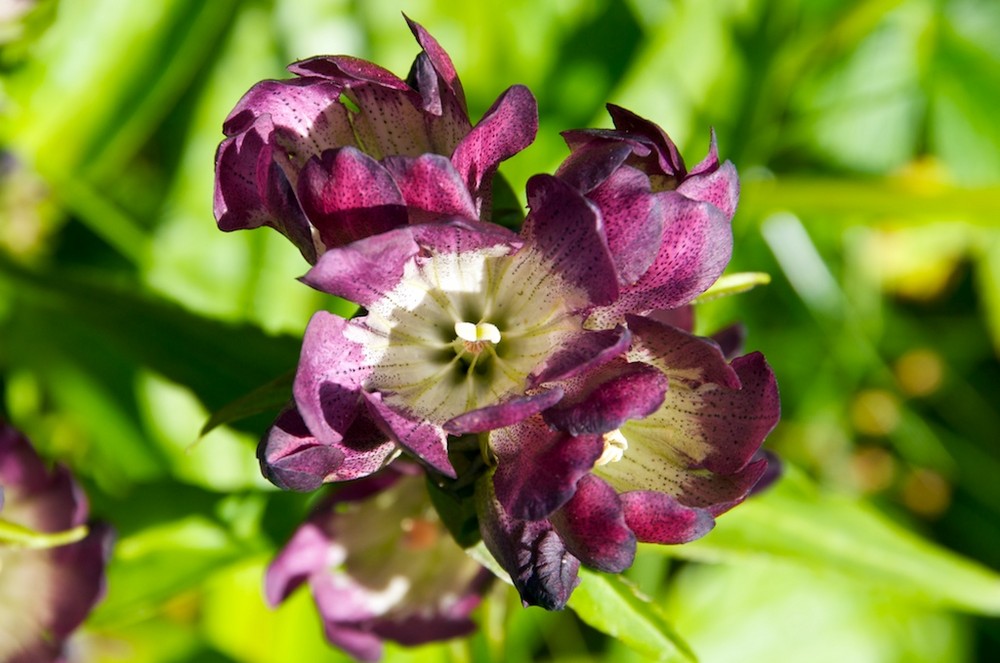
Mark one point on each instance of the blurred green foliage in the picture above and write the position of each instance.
(865, 133)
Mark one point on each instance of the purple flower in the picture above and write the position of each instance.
(380, 566)
(668, 227)
(45, 592)
(649, 447)
(347, 149)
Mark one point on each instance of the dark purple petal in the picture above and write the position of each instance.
(347, 196)
(669, 158)
(608, 398)
(634, 220)
(775, 468)
(592, 162)
(346, 70)
(582, 353)
(538, 468)
(659, 518)
(731, 339)
(439, 61)
(730, 424)
(425, 440)
(461, 235)
(541, 568)
(508, 127)
(365, 270)
(686, 358)
(592, 525)
(721, 188)
(718, 493)
(292, 459)
(697, 243)
(431, 188)
(567, 229)
(507, 413)
(252, 190)
(682, 318)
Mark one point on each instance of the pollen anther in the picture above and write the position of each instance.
(615, 445)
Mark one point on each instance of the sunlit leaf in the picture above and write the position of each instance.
(796, 522)
(614, 606)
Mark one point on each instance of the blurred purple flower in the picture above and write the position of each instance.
(380, 566)
(623, 458)
(45, 593)
(347, 149)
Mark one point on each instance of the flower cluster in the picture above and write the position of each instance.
(544, 380)
(51, 566)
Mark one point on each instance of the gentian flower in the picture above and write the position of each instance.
(669, 228)
(380, 566)
(46, 589)
(347, 149)
(466, 323)
(649, 447)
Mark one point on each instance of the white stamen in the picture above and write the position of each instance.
(474, 333)
(615, 445)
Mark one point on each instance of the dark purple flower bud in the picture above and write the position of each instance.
(347, 150)
(381, 566)
(47, 587)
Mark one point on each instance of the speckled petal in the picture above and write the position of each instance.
(568, 230)
(507, 413)
(544, 572)
(686, 358)
(508, 127)
(592, 161)
(364, 271)
(592, 525)
(720, 187)
(603, 400)
(656, 517)
(580, 353)
(388, 121)
(440, 61)
(345, 70)
(431, 188)
(423, 439)
(670, 160)
(634, 220)
(538, 468)
(347, 196)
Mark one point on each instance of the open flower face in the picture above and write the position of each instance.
(347, 149)
(466, 323)
(381, 566)
(649, 447)
(44, 593)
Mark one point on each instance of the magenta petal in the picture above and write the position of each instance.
(609, 398)
(589, 164)
(538, 469)
(508, 127)
(348, 196)
(567, 229)
(682, 318)
(544, 572)
(503, 414)
(634, 220)
(687, 358)
(670, 160)
(423, 439)
(656, 517)
(365, 270)
(731, 340)
(389, 121)
(439, 59)
(721, 188)
(717, 493)
(582, 353)
(592, 525)
(346, 70)
(300, 108)
(431, 188)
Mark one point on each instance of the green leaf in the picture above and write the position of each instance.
(269, 397)
(796, 522)
(614, 606)
(218, 361)
(733, 284)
